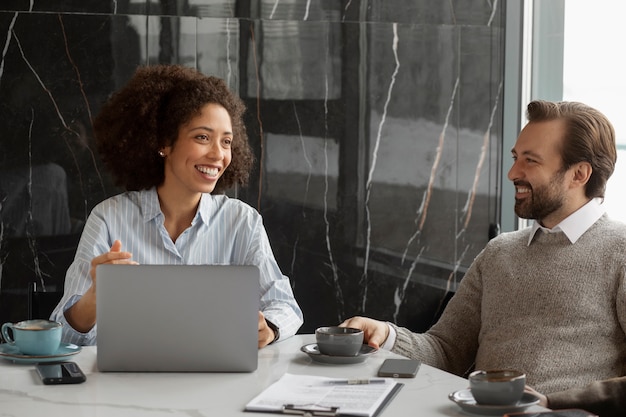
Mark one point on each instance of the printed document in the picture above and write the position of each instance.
(335, 396)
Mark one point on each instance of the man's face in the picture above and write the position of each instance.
(540, 183)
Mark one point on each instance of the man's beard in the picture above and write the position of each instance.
(544, 200)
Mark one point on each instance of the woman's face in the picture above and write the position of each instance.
(201, 153)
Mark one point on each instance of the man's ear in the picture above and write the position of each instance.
(582, 173)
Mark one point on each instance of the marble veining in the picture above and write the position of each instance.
(368, 184)
(376, 128)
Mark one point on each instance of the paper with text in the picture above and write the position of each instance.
(316, 393)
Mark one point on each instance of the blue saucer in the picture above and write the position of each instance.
(12, 353)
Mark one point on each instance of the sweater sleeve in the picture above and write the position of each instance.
(606, 398)
(451, 344)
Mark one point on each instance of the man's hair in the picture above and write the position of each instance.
(589, 137)
(146, 114)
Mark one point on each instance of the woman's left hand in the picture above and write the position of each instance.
(266, 334)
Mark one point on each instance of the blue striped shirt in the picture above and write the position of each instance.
(224, 231)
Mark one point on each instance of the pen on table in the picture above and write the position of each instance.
(357, 381)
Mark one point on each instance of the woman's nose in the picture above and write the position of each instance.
(215, 151)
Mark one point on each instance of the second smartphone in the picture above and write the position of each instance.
(399, 368)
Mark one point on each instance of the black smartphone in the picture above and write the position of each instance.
(399, 368)
(54, 373)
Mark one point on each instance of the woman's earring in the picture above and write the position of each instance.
(162, 154)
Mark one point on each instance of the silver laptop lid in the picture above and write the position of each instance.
(177, 318)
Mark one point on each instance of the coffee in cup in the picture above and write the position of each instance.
(33, 337)
(497, 387)
(339, 341)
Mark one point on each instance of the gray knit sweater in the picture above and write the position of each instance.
(553, 309)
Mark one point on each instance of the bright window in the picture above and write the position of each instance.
(594, 72)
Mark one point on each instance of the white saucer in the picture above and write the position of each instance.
(12, 353)
(315, 354)
(466, 401)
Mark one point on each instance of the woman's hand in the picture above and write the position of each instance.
(82, 315)
(113, 256)
(266, 333)
(375, 332)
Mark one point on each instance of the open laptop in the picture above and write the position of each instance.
(177, 318)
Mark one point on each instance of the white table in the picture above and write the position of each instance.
(207, 394)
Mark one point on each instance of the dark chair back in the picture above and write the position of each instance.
(42, 303)
(32, 275)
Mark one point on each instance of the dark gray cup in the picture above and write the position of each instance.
(497, 387)
(339, 341)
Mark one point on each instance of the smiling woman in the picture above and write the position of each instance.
(173, 137)
(154, 111)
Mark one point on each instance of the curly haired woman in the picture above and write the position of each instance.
(174, 138)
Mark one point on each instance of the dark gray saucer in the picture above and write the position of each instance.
(466, 401)
(312, 350)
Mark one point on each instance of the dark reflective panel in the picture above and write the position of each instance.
(76, 6)
(426, 12)
(376, 128)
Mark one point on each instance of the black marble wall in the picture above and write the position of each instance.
(377, 127)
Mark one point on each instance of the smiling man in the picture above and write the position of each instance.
(549, 300)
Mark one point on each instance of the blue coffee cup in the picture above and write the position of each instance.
(34, 337)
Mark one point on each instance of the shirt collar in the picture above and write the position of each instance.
(150, 204)
(204, 211)
(576, 224)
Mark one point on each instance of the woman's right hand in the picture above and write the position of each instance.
(82, 315)
(113, 256)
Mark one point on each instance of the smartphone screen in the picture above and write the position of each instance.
(399, 368)
(60, 373)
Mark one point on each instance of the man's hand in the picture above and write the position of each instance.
(266, 334)
(543, 400)
(374, 332)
